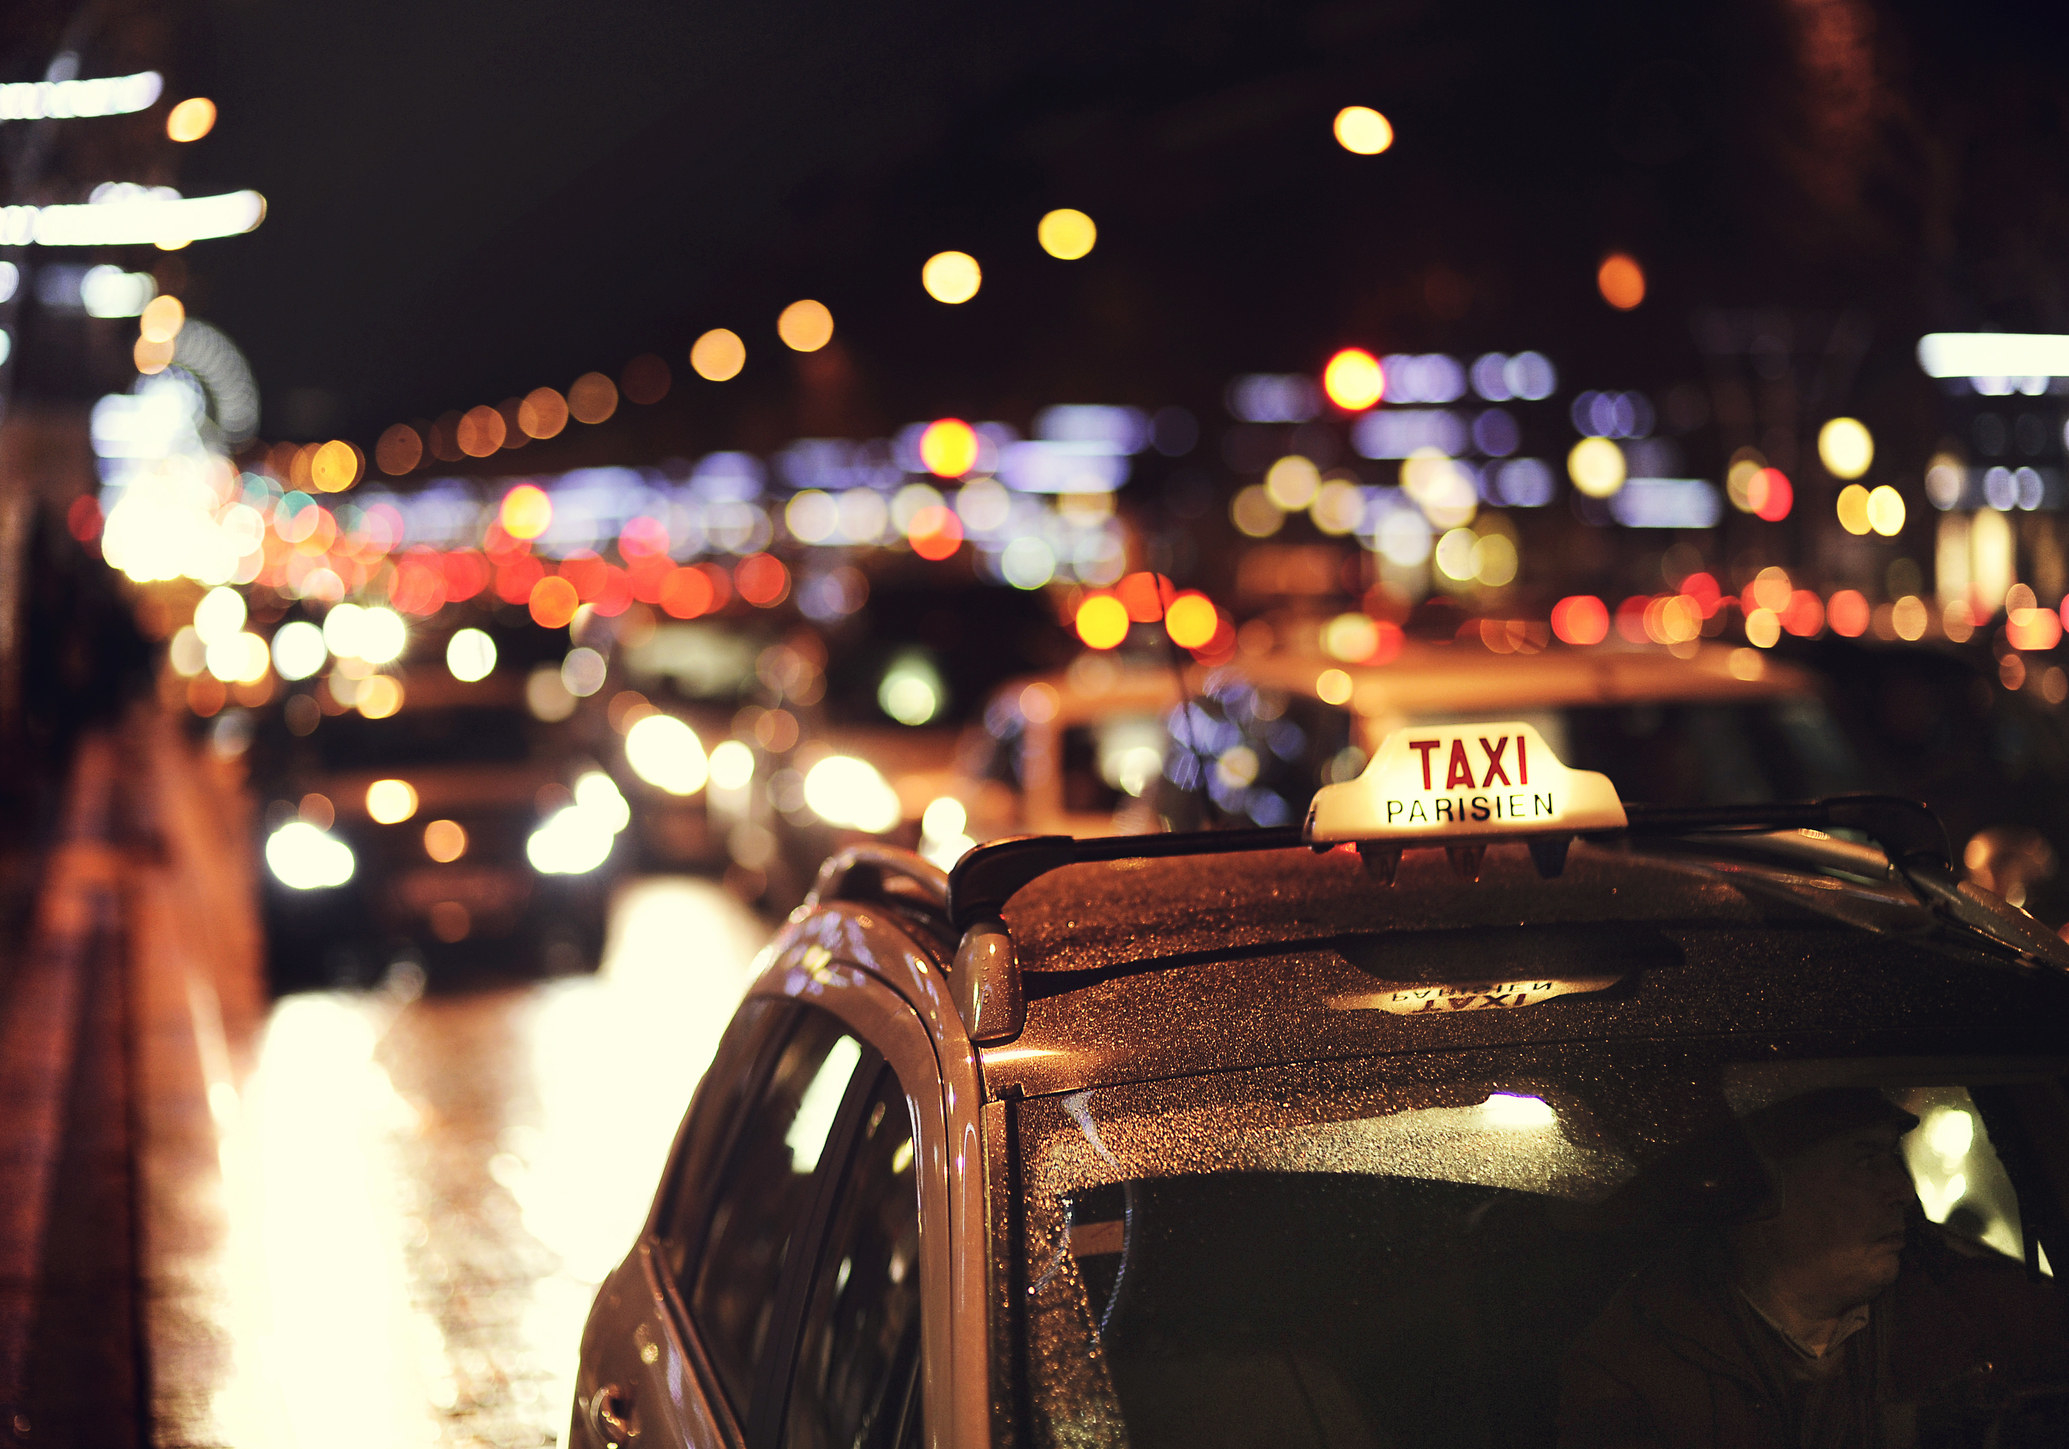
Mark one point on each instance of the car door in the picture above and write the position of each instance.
(685, 1332)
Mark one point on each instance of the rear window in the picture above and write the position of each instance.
(1587, 1245)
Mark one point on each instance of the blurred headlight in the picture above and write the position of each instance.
(595, 793)
(666, 753)
(842, 790)
(732, 765)
(578, 837)
(306, 858)
(571, 842)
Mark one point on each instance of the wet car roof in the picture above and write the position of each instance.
(1144, 969)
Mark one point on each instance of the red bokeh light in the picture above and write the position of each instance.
(1145, 596)
(1804, 614)
(1580, 619)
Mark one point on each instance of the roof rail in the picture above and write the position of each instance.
(884, 875)
(985, 878)
(1908, 832)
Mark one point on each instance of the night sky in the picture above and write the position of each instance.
(471, 200)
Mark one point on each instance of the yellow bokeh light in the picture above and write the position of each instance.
(1886, 511)
(592, 398)
(1596, 466)
(1363, 131)
(1845, 447)
(526, 511)
(191, 119)
(1853, 508)
(718, 355)
(1292, 483)
(379, 697)
(335, 466)
(1066, 234)
(390, 802)
(1191, 621)
(1102, 621)
(805, 326)
(163, 318)
(1354, 379)
(1621, 281)
(1333, 686)
(949, 447)
(151, 356)
(543, 413)
(951, 277)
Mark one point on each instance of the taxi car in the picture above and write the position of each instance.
(1479, 1107)
(1113, 745)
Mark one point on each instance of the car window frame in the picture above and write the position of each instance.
(773, 1394)
(785, 1018)
(867, 967)
(770, 1395)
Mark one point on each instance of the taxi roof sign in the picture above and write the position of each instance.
(1463, 784)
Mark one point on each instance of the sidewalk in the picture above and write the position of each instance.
(121, 1023)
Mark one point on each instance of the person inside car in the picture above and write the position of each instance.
(1826, 1312)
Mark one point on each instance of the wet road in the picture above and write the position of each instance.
(418, 1193)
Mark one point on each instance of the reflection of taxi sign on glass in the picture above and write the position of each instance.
(1452, 784)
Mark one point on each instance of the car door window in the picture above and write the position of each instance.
(764, 1198)
(729, 1084)
(855, 1384)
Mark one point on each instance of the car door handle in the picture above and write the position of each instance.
(613, 1416)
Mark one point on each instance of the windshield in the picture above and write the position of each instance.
(1584, 1246)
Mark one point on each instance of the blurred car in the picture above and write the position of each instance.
(1113, 744)
(460, 833)
(1481, 1108)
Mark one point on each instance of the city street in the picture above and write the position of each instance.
(378, 1217)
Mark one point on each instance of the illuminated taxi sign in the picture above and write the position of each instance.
(1452, 783)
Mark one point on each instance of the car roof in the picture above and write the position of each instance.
(1145, 969)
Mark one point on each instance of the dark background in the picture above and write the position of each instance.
(470, 200)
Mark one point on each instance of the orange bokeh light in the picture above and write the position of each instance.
(481, 431)
(936, 532)
(1354, 379)
(399, 450)
(1621, 281)
(949, 447)
(1143, 595)
(1805, 614)
(553, 602)
(686, 593)
(762, 580)
(1102, 621)
(526, 512)
(1191, 620)
(1580, 619)
(1847, 612)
